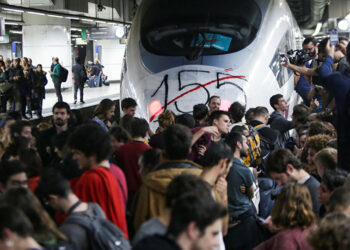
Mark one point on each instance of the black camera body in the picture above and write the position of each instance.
(298, 57)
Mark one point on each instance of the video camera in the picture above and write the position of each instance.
(298, 57)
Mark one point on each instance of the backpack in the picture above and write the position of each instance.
(103, 233)
(63, 74)
(254, 158)
(267, 145)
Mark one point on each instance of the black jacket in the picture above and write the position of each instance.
(157, 242)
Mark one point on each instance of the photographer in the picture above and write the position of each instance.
(303, 70)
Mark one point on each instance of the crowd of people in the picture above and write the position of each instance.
(236, 179)
(22, 85)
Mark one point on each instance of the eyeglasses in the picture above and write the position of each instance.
(18, 183)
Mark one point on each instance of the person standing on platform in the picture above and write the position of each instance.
(39, 89)
(56, 78)
(79, 78)
(16, 76)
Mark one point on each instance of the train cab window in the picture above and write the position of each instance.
(199, 27)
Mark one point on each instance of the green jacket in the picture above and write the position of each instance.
(56, 73)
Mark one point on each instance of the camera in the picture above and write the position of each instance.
(298, 57)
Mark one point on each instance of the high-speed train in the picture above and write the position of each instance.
(181, 52)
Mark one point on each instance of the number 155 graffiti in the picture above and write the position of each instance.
(222, 79)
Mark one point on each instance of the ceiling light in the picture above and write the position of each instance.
(98, 21)
(14, 10)
(55, 16)
(72, 17)
(36, 13)
(75, 29)
(343, 24)
(16, 32)
(120, 31)
(12, 23)
(87, 20)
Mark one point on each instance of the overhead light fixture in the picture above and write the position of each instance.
(343, 25)
(12, 23)
(16, 32)
(35, 13)
(317, 29)
(120, 31)
(14, 10)
(75, 29)
(55, 16)
(72, 17)
(112, 23)
(98, 21)
(87, 20)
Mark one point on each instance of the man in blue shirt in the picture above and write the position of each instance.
(242, 232)
(338, 85)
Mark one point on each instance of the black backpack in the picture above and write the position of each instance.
(63, 74)
(103, 234)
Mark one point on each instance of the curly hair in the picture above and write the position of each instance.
(166, 119)
(317, 142)
(293, 208)
(332, 233)
(320, 127)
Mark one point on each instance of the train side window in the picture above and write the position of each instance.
(281, 73)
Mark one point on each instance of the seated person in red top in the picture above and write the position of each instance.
(128, 155)
(91, 147)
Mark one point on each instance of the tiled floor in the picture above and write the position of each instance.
(92, 96)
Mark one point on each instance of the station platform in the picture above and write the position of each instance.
(92, 97)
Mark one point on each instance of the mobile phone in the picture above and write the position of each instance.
(333, 36)
(262, 220)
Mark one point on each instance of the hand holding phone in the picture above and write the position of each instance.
(333, 37)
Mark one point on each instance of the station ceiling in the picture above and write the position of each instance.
(308, 13)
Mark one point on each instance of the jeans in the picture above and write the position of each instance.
(58, 90)
(80, 86)
(243, 234)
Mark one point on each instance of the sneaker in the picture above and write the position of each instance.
(75, 102)
(82, 102)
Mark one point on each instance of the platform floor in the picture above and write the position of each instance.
(92, 96)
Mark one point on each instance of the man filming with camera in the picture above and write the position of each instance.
(311, 74)
(303, 63)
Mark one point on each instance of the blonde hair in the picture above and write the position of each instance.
(166, 119)
(293, 208)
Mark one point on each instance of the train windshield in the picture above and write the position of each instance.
(194, 28)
